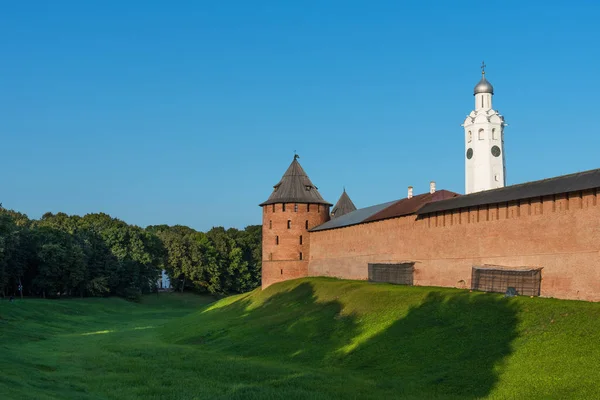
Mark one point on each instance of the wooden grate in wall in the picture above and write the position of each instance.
(526, 282)
(401, 274)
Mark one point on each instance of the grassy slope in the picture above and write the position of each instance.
(411, 341)
(308, 338)
(86, 349)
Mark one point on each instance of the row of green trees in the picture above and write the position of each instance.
(97, 255)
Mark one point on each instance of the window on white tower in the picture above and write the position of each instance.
(480, 134)
(469, 137)
(494, 134)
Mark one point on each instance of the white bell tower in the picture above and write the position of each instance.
(484, 142)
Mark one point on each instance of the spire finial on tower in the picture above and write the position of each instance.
(483, 68)
(296, 156)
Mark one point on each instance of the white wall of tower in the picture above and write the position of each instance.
(483, 101)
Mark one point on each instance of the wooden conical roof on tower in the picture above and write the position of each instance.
(295, 187)
(343, 206)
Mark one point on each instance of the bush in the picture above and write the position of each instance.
(133, 294)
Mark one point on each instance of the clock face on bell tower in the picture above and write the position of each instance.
(496, 151)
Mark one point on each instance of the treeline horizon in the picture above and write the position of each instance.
(99, 255)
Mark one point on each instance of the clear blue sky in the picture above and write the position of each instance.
(188, 112)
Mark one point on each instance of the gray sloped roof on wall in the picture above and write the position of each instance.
(295, 187)
(545, 187)
(391, 209)
(343, 206)
(353, 218)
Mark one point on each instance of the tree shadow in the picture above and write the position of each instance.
(293, 325)
(451, 345)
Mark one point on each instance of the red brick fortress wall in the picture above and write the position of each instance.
(559, 233)
(281, 245)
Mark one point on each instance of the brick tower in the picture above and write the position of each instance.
(294, 207)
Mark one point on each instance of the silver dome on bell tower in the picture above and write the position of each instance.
(483, 86)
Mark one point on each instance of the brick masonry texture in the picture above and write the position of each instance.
(281, 245)
(559, 233)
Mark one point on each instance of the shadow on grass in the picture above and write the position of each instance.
(288, 324)
(450, 345)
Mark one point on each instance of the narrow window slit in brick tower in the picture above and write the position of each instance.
(306, 224)
(281, 272)
(289, 224)
(300, 239)
(301, 255)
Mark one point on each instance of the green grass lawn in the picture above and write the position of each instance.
(315, 338)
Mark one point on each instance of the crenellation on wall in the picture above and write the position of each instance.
(502, 211)
(525, 207)
(537, 206)
(464, 216)
(588, 198)
(492, 212)
(481, 213)
(514, 209)
(455, 217)
(560, 202)
(549, 204)
(447, 219)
